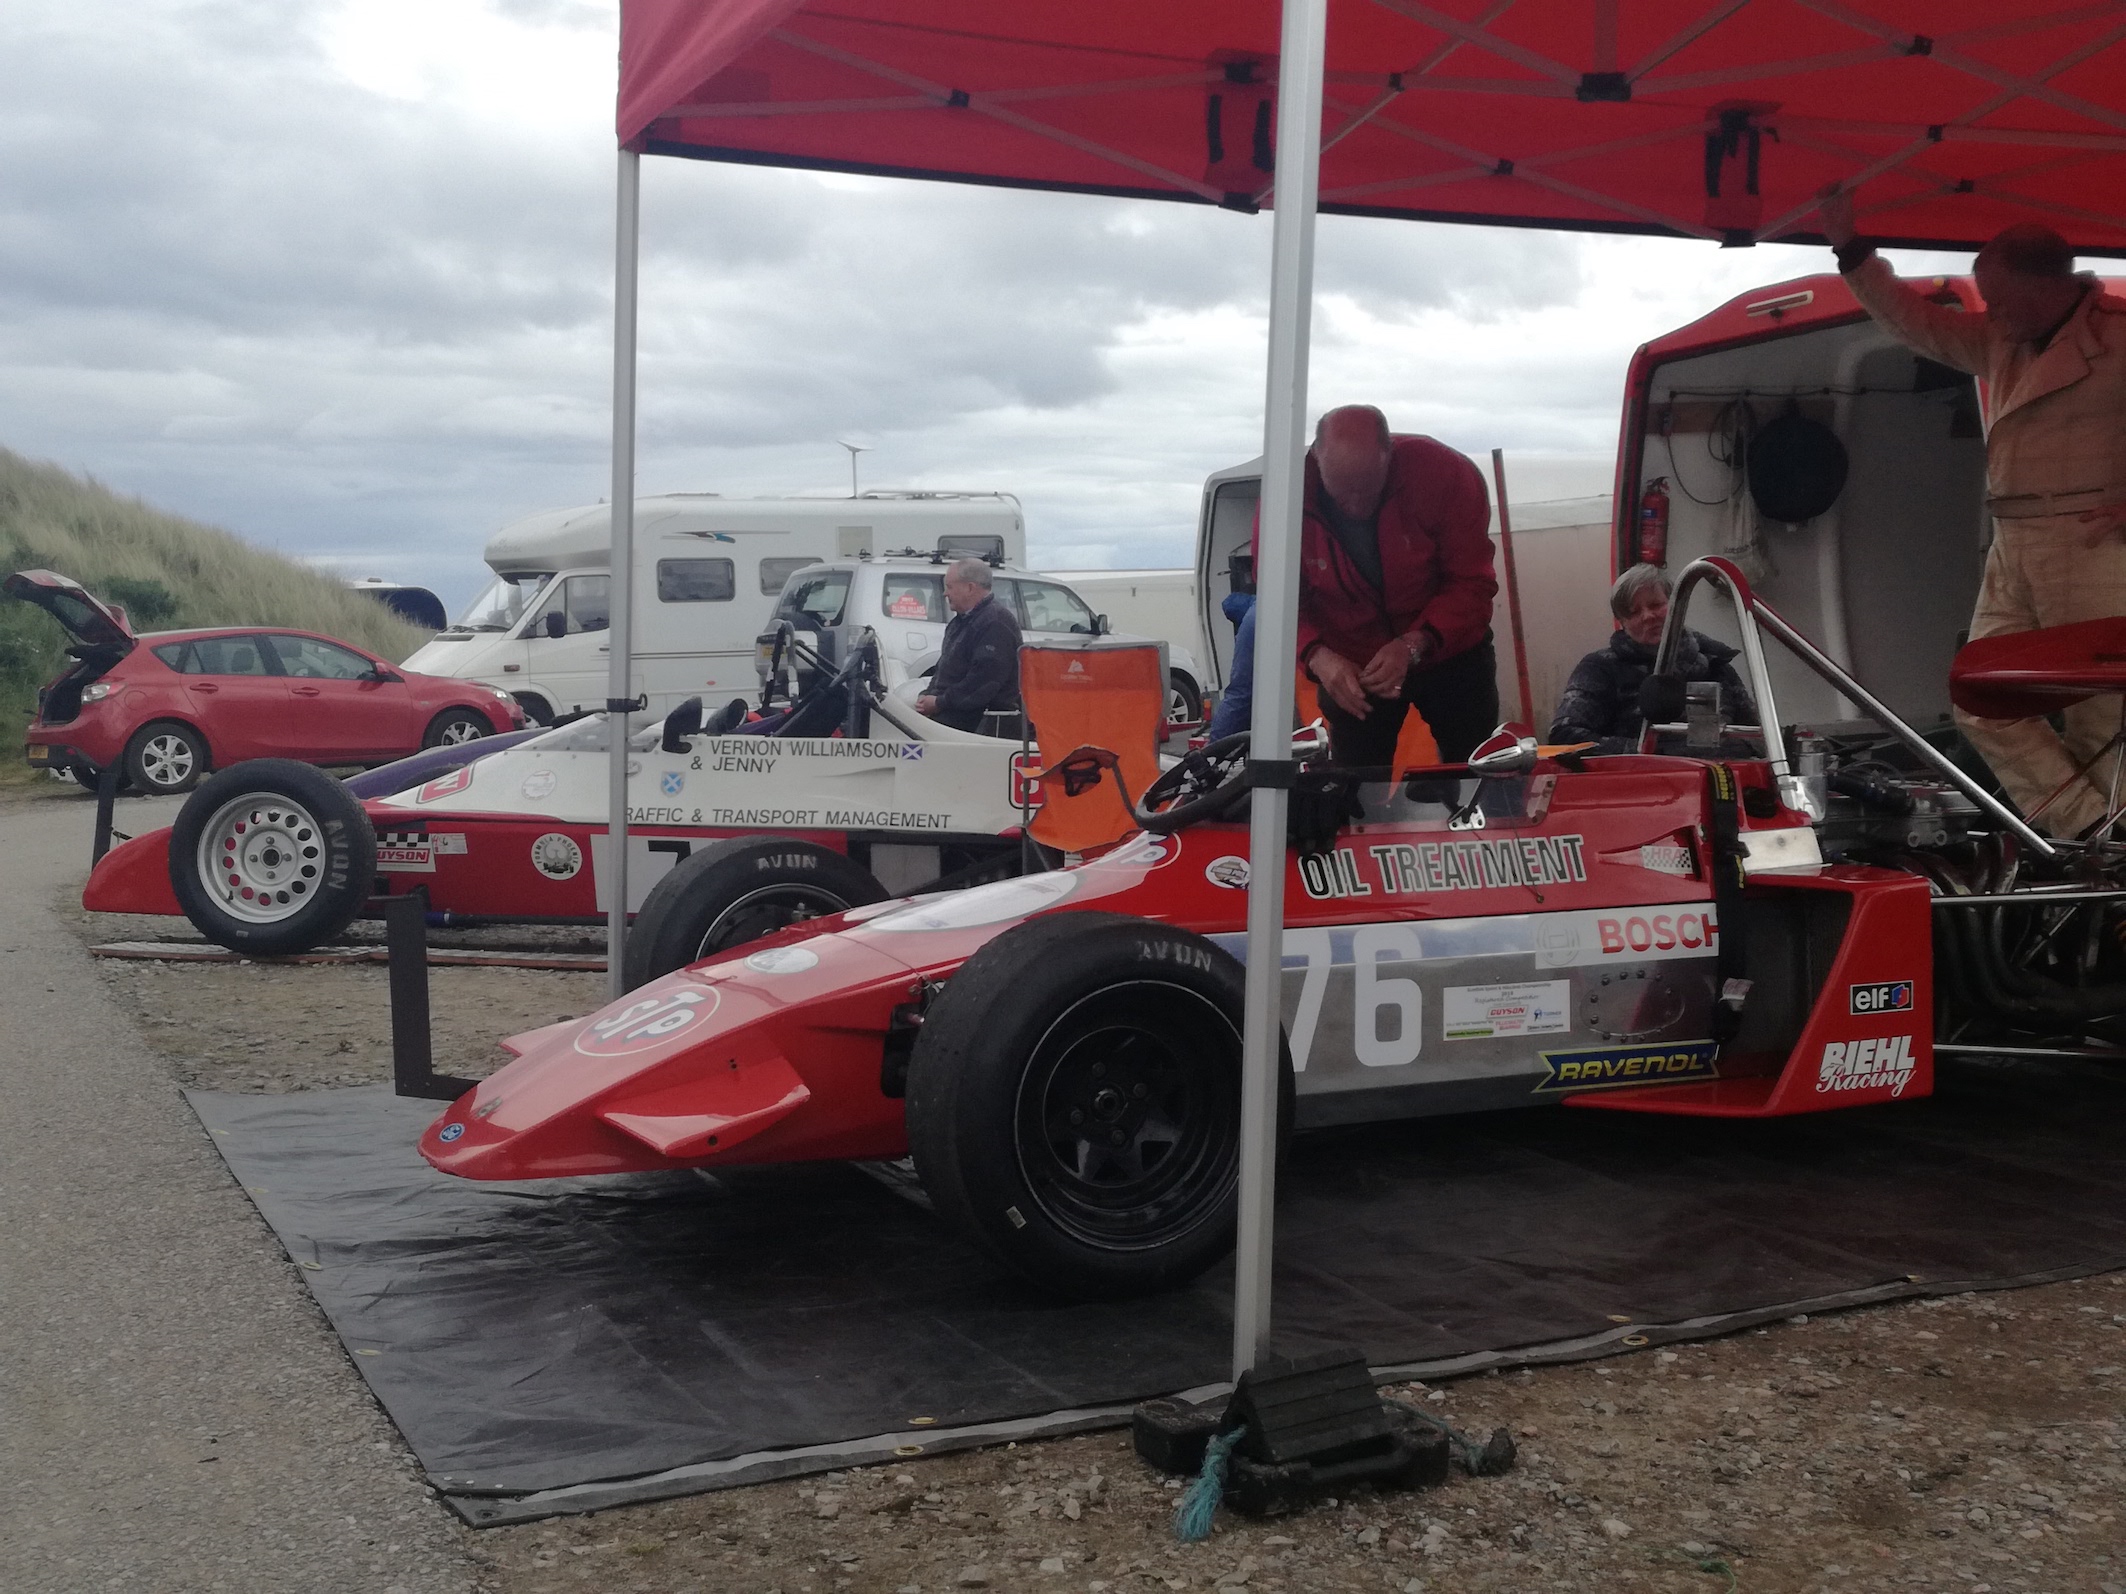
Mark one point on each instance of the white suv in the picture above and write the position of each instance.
(901, 596)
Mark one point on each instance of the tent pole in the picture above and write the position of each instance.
(1298, 179)
(627, 239)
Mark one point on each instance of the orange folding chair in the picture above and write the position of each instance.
(1098, 708)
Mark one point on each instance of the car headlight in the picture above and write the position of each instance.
(96, 692)
(504, 696)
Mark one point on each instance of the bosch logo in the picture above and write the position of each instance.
(1883, 996)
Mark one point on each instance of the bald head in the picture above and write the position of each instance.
(2026, 276)
(1351, 450)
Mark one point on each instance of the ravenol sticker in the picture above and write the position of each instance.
(1874, 1064)
(1615, 1067)
(1229, 871)
(450, 1132)
(673, 783)
(1882, 996)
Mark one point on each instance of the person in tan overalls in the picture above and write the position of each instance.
(2051, 349)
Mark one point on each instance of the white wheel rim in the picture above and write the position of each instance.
(458, 731)
(261, 857)
(1177, 712)
(167, 760)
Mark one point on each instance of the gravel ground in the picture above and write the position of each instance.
(1971, 1444)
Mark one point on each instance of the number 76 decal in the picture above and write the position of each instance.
(1373, 993)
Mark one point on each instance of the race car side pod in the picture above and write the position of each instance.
(1974, 946)
(413, 1070)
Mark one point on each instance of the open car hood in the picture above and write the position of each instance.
(91, 621)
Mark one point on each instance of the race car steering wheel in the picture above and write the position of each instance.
(1208, 782)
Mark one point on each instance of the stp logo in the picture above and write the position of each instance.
(647, 1023)
(1883, 996)
(1025, 790)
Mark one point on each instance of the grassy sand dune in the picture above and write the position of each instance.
(168, 572)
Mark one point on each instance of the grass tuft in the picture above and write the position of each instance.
(167, 571)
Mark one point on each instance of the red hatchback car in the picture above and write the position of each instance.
(170, 705)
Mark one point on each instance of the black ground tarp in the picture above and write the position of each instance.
(564, 1346)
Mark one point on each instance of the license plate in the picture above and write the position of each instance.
(39, 754)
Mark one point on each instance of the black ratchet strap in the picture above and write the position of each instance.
(1273, 774)
(1729, 878)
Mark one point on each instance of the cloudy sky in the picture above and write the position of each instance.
(337, 275)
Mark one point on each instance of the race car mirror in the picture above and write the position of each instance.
(1661, 699)
(683, 722)
(1509, 750)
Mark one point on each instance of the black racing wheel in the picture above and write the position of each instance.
(1074, 1102)
(1206, 784)
(736, 891)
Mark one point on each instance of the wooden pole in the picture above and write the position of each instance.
(1513, 592)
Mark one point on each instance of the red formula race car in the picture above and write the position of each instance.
(1708, 933)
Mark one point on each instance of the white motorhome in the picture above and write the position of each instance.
(708, 570)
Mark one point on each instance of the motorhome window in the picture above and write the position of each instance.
(1048, 607)
(774, 572)
(817, 600)
(583, 599)
(502, 605)
(309, 659)
(228, 655)
(913, 597)
(696, 581)
(972, 545)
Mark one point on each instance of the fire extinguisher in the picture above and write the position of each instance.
(1653, 523)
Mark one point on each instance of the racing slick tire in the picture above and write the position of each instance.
(1074, 1102)
(737, 891)
(271, 857)
(165, 758)
(456, 725)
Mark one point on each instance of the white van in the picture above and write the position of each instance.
(708, 571)
(901, 597)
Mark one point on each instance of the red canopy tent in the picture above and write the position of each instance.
(1710, 118)
(1715, 119)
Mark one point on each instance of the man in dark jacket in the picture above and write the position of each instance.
(978, 667)
(1395, 589)
(1601, 701)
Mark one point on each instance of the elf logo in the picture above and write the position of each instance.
(1883, 996)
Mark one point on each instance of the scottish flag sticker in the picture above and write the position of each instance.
(674, 783)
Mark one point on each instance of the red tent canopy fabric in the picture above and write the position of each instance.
(1709, 118)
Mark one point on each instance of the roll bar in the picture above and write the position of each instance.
(1751, 612)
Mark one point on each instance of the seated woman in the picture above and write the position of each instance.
(1601, 700)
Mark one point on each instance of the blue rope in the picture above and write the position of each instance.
(1199, 1502)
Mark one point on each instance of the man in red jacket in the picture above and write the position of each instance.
(1395, 589)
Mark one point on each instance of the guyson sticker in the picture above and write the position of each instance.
(1487, 1012)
